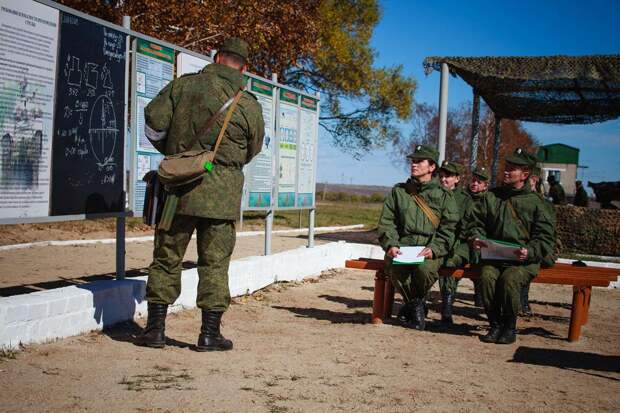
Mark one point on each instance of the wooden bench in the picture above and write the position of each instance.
(581, 278)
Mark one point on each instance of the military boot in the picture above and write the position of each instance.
(509, 331)
(210, 338)
(418, 321)
(525, 301)
(495, 329)
(153, 334)
(405, 314)
(446, 310)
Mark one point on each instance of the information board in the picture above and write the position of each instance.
(260, 172)
(88, 142)
(27, 87)
(154, 70)
(288, 122)
(307, 152)
(187, 63)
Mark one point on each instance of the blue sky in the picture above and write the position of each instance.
(409, 31)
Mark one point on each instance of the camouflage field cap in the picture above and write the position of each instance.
(520, 157)
(235, 45)
(452, 167)
(424, 152)
(482, 173)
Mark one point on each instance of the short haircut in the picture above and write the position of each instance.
(232, 58)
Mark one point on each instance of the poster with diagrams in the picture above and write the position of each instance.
(154, 68)
(89, 126)
(187, 63)
(288, 113)
(307, 151)
(260, 172)
(27, 83)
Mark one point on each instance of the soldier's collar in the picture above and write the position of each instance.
(232, 75)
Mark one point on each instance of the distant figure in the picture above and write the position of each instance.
(581, 196)
(556, 192)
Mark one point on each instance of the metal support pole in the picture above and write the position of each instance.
(443, 111)
(268, 229)
(120, 245)
(496, 145)
(241, 221)
(311, 228)
(475, 121)
(120, 221)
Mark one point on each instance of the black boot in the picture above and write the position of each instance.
(446, 311)
(405, 314)
(478, 295)
(418, 321)
(509, 331)
(210, 338)
(525, 301)
(153, 334)
(495, 329)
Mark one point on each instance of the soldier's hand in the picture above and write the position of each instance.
(477, 244)
(426, 253)
(393, 252)
(521, 254)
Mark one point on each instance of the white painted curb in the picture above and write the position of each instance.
(48, 315)
(148, 238)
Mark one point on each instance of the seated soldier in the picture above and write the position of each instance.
(512, 213)
(419, 212)
(450, 178)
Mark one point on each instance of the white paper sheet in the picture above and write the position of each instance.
(409, 255)
(499, 251)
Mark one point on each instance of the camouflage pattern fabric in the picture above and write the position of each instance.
(215, 242)
(403, 223)
(556, 193)
(454, 259)
(501, 287)
(181, 110)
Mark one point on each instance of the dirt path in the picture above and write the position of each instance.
(307, 348)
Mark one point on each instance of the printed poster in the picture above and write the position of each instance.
(287, 148)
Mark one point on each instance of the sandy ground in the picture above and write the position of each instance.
(307, 347)
(40, 268)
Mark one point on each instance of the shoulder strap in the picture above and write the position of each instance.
(226, 120)
(427, 210)
(517, 218)
(214, 118)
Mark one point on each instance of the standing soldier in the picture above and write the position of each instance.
(450, 178)
(581, 196)
(419, 212)
(517, 215)
(556, 191)
(209, 206)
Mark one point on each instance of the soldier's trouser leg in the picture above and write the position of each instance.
(424, 276)
(448, 285)
(401, 280)
(488, 278)
(164, 281)
(215, 242)
(508, 289)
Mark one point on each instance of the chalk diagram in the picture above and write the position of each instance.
(103, 131)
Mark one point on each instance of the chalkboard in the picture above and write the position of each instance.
(88, 141)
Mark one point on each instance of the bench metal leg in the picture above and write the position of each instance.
(378, 309)
(579, 311)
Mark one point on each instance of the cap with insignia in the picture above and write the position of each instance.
(482, 173)
(520, 157)
(452, 167)
(424, 152)
(235, 45)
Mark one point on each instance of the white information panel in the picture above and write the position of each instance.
(288, 113)
(187, 63)
(307, 151)
(29, 44)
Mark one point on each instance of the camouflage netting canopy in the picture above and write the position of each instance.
(551, 89)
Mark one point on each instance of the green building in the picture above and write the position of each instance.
(561, 161)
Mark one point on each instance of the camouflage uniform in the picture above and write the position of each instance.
(212, 204)
(556, 193)
(403, 223)
(502, 282)
(581, 197)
